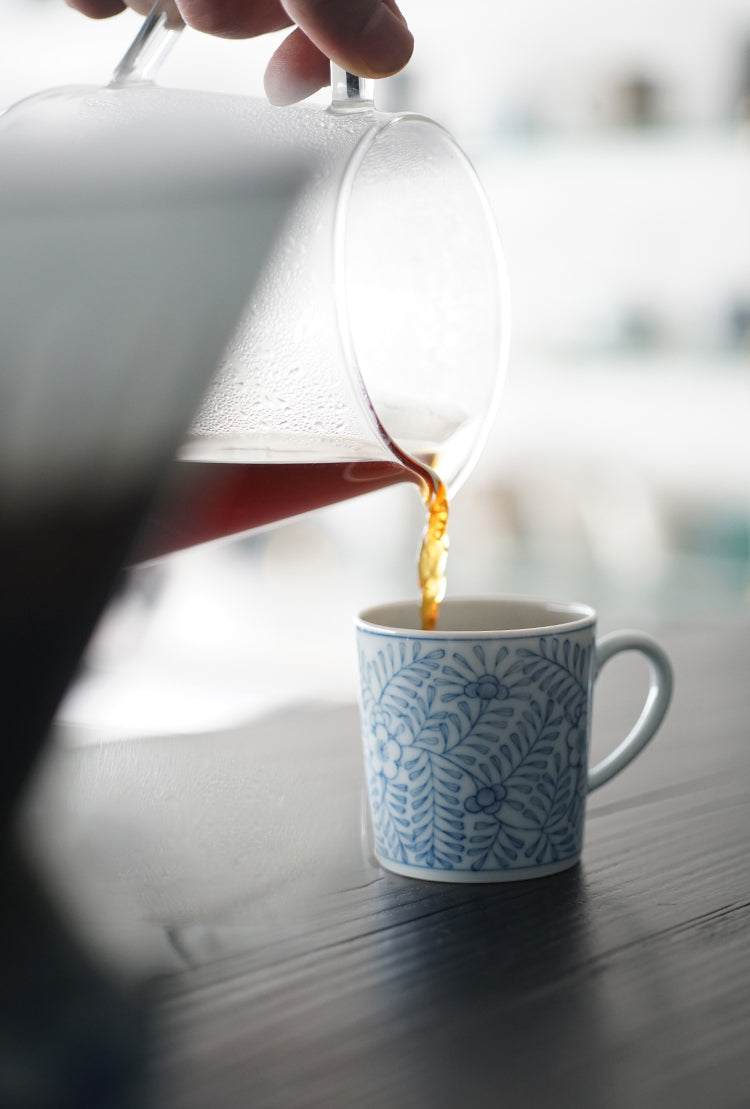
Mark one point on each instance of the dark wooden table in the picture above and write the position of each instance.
(303, 976)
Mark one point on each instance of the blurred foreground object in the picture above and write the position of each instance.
(126, 255)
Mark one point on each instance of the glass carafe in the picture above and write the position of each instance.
(373, 347)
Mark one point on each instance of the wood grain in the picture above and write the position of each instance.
(623, 982)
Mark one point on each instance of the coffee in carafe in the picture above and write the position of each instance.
(203, 501)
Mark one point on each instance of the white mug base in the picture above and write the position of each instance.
(519, 874)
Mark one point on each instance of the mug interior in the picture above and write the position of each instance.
(468, 615)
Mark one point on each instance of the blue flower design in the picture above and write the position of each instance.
(487, 688)
(385, 750)
(488, 799)
(479, 675)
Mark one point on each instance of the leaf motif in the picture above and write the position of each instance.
(558, 812)
(446, 805)
(391, 667)
(499, 712)
(480, 748)
(507, 856)
(537, 803)
(452, 771)
(436, 832)
(559, 671)
(466, 760)
(388, 837)
(485, 733)
(451, 672)
(530, 755)
(447, 859)
(400, 701)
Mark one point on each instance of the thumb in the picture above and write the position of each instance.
(366, 37)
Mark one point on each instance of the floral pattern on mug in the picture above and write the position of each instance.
(385, 750)
(476, 754)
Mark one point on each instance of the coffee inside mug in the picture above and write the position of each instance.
(469, 615)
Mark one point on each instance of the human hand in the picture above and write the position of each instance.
(366, 37)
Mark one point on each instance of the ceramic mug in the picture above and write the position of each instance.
(476, 736)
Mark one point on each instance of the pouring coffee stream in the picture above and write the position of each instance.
(255, 466)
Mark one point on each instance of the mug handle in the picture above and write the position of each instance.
(654, 708)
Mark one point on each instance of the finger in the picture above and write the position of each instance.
(234, 19)
(366, 37)
(97, 9)
(296, 70)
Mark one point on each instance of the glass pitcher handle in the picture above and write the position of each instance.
(350, 93)
(157, 35)
(162, 27)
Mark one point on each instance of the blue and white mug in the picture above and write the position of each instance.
(476, 735)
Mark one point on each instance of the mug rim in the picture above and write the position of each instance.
(381, 619)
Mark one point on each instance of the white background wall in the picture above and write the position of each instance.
(473, 60)
(619, 468)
